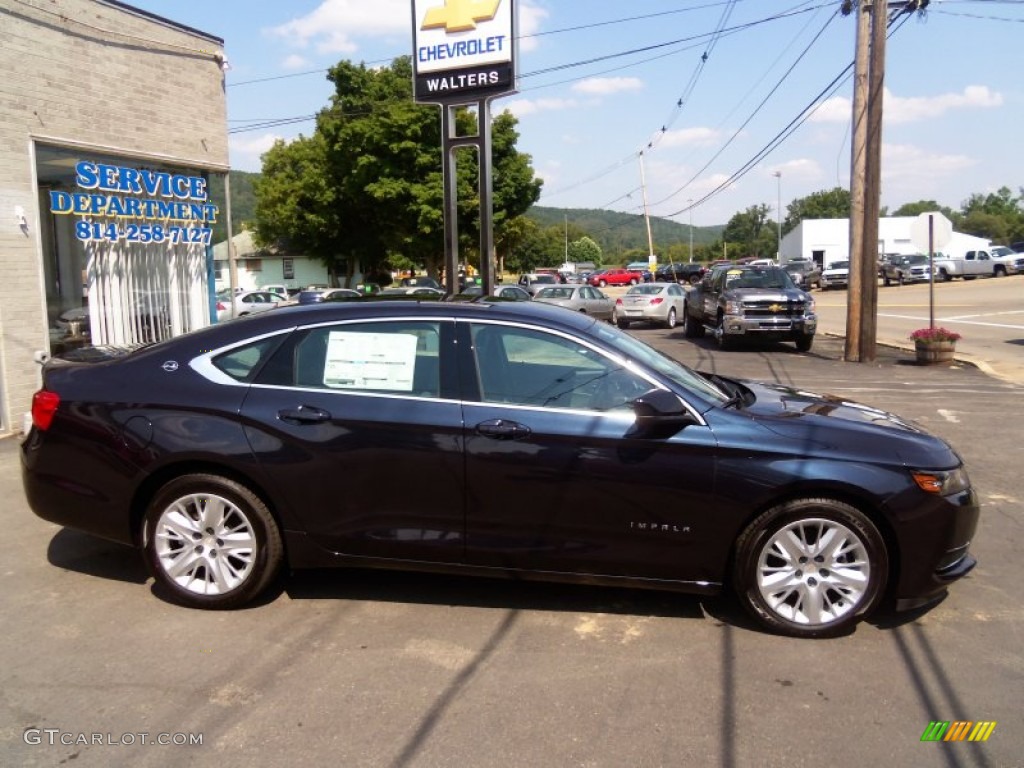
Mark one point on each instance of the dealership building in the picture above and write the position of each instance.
(112, 123)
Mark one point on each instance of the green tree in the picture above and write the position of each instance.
(827, 204)
(379, 180)
(928, 206)
(749, 229)
(998, 216)
(584, 249)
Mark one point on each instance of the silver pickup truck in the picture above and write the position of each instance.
(761, 303)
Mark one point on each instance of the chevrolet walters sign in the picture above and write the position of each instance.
(463, 49)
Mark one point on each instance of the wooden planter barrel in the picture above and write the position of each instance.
(935, 352)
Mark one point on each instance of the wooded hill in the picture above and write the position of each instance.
(614, 232)
(622, 232)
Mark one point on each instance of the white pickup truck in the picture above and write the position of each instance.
(971, 265)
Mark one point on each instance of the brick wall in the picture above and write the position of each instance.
(84, 72)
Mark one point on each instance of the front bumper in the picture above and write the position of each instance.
(778, 325)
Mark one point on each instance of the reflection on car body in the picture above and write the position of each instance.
(218, 453)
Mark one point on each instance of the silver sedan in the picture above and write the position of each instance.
(658, 303)
(580, 298)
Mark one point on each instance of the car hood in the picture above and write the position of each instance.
(767, 294)
(835, 424)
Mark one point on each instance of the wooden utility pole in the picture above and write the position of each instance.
(873, 187)
(858, 171)
(865, 180)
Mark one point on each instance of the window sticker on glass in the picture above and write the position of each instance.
(380, 361)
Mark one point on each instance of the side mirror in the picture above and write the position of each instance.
(659, 413)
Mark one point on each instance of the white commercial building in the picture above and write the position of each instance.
(827, 241)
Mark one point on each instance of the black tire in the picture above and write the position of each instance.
(692, 328)
(793, 591)
(237, 527)
(623, 324)
(999, 271)
(886, 281)
(694, 279)
(670, 321)
(944, 276)
(804, 342)
(725, 342)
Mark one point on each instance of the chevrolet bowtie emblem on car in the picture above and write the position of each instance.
(460, 15)
(775, 308)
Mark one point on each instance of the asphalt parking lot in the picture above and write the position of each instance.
(352, 668)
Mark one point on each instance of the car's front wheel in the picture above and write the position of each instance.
(211, 541)
(804, 342)
(810, 567)
(725, 341)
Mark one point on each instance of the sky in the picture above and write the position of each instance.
(702, 107)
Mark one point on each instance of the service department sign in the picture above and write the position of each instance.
(463, 49)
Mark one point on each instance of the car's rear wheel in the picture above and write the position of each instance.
(810, 567)
(211, 541)
(671, 321)
(692, 327)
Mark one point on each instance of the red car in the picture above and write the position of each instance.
(616, 277)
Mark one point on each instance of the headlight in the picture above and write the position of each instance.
(944, 482)
(809, 304)
(733, 307)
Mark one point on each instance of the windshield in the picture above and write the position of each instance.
(1002, 250)
(633, 349)
(757, 277)
(555, 293)
(840, 265)
(545, 279)
(911, 260)
(645, 290)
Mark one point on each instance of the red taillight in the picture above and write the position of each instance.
(44, 405)
(618, 302)
(656, 301)
(221, 306)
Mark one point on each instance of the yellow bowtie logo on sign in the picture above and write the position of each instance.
(460, 15)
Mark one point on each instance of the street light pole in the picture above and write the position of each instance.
(778, 216)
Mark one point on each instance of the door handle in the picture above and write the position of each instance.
(502, 429)
(304, 414)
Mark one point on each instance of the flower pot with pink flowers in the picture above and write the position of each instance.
(935, 345)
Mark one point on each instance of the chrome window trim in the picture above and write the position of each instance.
(618, 360)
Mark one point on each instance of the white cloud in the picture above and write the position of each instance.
(904, 161)
(604, 86)
(690, 137)
(335, 25)
(900, 109)
(530, 19)
(909, 110)
(246, 150)
(295, 62)
(523, 107)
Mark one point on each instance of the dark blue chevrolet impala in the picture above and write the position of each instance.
(558, 448)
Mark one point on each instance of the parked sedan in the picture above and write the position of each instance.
(581, 298)
(218, 454)
(245, 303)
(660, 303)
